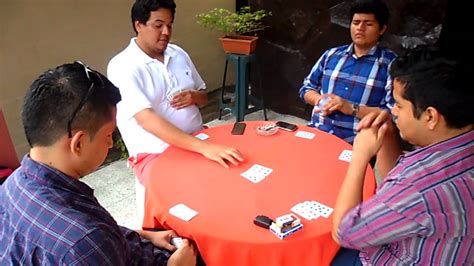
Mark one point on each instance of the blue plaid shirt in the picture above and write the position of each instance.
(363, 80)
(48, 218)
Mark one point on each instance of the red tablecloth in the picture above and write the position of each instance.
(227, 203)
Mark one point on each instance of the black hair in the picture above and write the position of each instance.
(431, 79)
(54, 96)
(141, 9)
(376, 7)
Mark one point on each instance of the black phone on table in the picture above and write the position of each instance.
(238, 128)
(286, 126)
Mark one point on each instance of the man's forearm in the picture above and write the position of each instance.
(199, 97)
(350, 193)
(311, 97)
(167, 132)
(389, 152)
(364, 110)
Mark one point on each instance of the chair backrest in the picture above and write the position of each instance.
(8, 157)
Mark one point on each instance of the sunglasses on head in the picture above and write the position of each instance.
(83, 101)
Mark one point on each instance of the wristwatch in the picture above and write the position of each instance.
(355, 109)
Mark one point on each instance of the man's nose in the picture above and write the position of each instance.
(166, 31)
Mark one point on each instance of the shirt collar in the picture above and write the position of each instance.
(146, 59)
(462, 139)
(47, 175)
(374, 51)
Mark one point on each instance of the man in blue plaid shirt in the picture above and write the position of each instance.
(48, 216)
(353, 78)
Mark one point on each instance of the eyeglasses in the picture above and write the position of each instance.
(83, 100)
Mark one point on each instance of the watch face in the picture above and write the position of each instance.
(355, 109)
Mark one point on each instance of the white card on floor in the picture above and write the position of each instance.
(256, 173)
(305, 134)
(346, 155)
(202, 136)
(183, 212)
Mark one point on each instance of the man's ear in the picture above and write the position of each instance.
(432, 118)
(76, 143)
(382, 30)
(138, 25)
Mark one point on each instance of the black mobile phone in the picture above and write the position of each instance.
(238, 128)
(263, 221)
(286, 126)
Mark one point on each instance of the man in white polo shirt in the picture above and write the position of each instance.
(161, 90)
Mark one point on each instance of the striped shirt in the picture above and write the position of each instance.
(48, 218)
(423, 213)
(363, 80)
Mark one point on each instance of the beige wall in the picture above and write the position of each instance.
(39, 34)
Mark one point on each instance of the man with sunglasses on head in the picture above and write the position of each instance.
(48, 216)
(161, 91)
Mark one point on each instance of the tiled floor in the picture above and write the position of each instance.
(114, 184)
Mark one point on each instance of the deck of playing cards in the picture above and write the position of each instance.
(286, 225)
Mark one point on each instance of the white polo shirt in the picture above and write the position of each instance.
(145, 82)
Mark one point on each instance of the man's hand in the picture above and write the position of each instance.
(336, 103)
(183, 99)
(159, 239)
(222, 154)
(183, 256)
(390, 149)
(372, 129)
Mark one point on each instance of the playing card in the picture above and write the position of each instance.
(305, 134)
(202, 136)
(322, 209)
(346, 155)
(311, 208)
(256, 173)
(183, 212)
(301, 210)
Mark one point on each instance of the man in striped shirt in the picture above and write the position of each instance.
(48, 216)
(355, 77)
(423, 212)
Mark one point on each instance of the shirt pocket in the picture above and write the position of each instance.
(184, 79)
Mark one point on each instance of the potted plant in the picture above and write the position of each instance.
(239, 28)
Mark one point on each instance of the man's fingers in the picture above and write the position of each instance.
(381, 118)
(172, 234)
(382, 130)
(221, 162)
(366, 122)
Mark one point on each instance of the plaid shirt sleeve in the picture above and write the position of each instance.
(313, 80)
(97, 247)
(109, 249)
(389, 101)
(142, 251)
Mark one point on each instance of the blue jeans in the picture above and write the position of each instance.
(346, 257)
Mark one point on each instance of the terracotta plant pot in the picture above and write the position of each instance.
(239, 44)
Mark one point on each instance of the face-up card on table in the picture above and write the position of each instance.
(183, 212)
(256, 173)
(305, 134)
(346, 155)
(304, 211)
(202, 136)
(322, 209)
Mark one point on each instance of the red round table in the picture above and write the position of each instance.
(303, 170)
